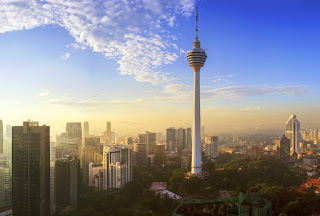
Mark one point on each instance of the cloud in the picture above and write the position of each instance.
(131, 32)
(234, 92)
(44, 92)
(65, 56)
(252, 109)
(180, 93)
(251, 91)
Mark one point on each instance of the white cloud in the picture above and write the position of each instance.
(127, 31)
(44, 92)
(209, 93)
(65, 56)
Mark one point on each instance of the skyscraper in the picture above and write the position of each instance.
(1, 138)
(117, 167)
(171, 140)
(31, 169)
(151, 142)
(293, 133)
(5, 192)
(86, 129)
(196, 58)
(211, 146)
(67, 178)
(189, 139)
(74, 130)
(283, 149)
(160, 154)
(140, 153)
(181, 139)
(108, 131)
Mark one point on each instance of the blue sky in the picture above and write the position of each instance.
(124, 61)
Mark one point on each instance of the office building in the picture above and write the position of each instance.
(108, 130)
(1, 138)
(181, 139)
(140, 154)
(86, 129)
(196, 58)
(171, 140)
(212, 146)
(67, 179)
(129, 141)
(5, 186)
(283, 149)
(151, 142)
(68, 146)
(88, 156)
(142, 138)
(52, 162)
(185, 159)
(117, 167)
(31, 169)
(189, 139)
(160, 155)
(293, 133)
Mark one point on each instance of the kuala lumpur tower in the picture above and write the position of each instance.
(196, 58)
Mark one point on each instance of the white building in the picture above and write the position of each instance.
(293, 133)
(212, 146)
(117, 167)
(95, 175)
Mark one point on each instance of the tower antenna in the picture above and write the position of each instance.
(197, 23)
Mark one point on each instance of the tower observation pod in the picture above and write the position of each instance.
(196, 58)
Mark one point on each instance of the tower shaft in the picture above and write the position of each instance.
(196, 138)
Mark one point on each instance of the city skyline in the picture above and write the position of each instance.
(260, 71)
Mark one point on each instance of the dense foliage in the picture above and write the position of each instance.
(275, 182)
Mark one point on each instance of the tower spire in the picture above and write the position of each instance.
(197, 24)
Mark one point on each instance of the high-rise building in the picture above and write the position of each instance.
(185, 159)
(68, 146)
(196, 58)
(86, 129)
(283, 149)
(129, 141)
(9, 131)
(88, 156)
(202, 133)
(96, 143)
(181, 139)
(108, 131)
(67, 178)
(1, 138)
(31, 169)
(189, 139)
(171, 140)
(140, 154)
(74, 130)
(160, 154)
(117, 167)
(5, 187)
(212, 146)
(96, 175)
(151, 142)
(293, 133)
(52, 162)
(142, 138)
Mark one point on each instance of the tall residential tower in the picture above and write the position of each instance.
(196, 58)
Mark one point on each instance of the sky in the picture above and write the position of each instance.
(124, 61)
